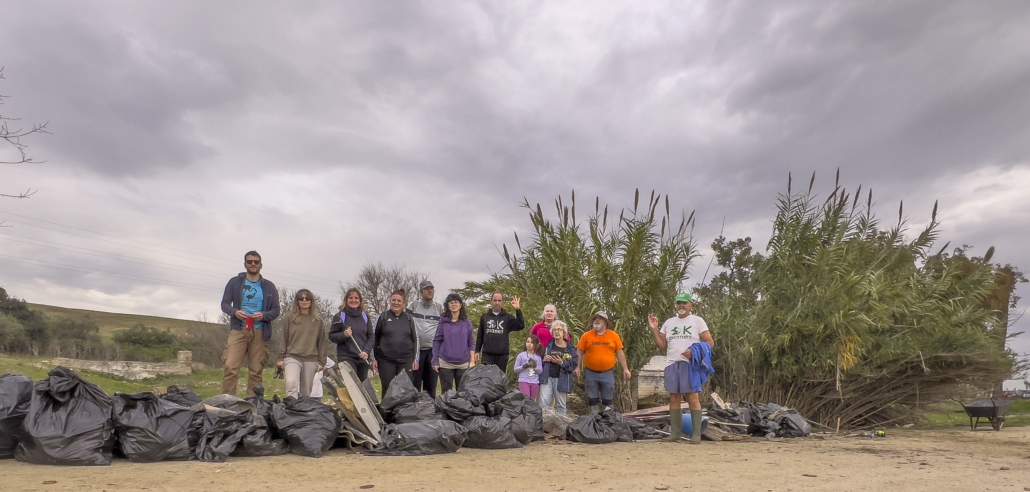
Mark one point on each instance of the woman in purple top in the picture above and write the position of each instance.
(528, 366)
(454, 343)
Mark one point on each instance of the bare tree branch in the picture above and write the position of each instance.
(376, 281)
(25, 194)
(11, 144)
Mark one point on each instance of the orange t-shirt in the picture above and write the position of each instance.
(599, 350)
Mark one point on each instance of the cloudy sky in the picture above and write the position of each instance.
(330, 135)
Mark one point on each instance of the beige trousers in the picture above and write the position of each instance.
(243, 346)
(299, 377)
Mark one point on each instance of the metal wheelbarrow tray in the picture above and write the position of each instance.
(991, 410)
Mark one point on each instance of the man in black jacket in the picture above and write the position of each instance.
(495, 326)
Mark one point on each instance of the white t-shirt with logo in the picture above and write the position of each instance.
(681, 334)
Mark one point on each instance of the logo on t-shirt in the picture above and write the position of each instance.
(677, 331)
(495, 326)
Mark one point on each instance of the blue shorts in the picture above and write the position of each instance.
(677, 378)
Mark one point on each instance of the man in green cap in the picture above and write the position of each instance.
(677, 337)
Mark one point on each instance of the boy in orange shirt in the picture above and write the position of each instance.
(598, 350)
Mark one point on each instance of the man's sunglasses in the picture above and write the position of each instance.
(253, 262)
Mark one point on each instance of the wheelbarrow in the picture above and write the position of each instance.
(992, 411)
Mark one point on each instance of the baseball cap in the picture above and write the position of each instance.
(602, 314)
(686, 297)
(425, 284)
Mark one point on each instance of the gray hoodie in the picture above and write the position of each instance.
(427, 318)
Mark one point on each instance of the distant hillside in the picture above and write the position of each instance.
(112, 322)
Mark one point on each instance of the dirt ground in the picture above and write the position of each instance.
(904, 460)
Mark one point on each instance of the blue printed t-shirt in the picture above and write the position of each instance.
(253, 300)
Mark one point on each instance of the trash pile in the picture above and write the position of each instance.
(761, 419)
(481, 413)
(731, 422)
(65, 420)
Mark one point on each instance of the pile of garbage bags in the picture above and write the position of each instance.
(763, 419)
(65, 420)
(480, 413)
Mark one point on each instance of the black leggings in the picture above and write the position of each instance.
(389, 369)
(497, 360)
(448, 377)
(425, 378)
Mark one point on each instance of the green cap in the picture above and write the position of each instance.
(686, 297)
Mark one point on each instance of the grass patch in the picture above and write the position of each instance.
(112, 322)
(950, 415)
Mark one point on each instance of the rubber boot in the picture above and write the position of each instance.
(695, 431)
(675, 424)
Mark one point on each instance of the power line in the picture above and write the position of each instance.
(196, 287)
(105, 254)
(120, 242)
(171, 268)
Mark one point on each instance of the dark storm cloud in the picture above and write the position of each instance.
(428, 115)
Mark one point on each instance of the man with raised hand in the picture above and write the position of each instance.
(688, 351)
(495, 327)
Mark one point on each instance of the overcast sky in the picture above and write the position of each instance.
(330, 135)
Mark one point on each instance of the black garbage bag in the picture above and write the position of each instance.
(309, 425)
(527, 418)
(483, 384)
(490, 433)
(607, 426)
(265, 439)
(183, 397)
(259, 442)
(218, 432)
(69, 422)
(151, 429)
(734, 415)
(458, 406)
(421, 438)
(263, 408)
(642, 431)
(764, 419)
(230, 402)
(15, 398)
(618, 423)
(401, 391)
(591, 430)
(557, 425)
(260, 439)
(789, 422)
(422, 409)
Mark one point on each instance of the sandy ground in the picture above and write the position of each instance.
(904, 460)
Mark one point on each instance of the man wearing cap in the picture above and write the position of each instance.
(688, 362)
(426, 314)
(598, 349)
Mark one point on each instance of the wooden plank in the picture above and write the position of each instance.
(649, 411)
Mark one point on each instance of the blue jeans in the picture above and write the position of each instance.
(549, 393)
(600, 386)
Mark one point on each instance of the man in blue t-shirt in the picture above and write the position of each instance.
(252, 303)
